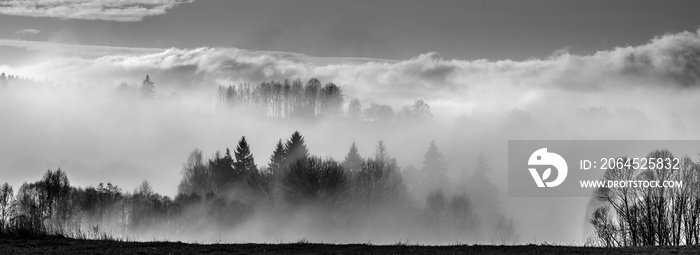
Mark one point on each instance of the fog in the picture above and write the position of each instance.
(77, 121)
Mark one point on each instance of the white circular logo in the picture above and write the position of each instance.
(543, 158)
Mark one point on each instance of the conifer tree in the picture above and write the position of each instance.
(245, 163)
(353, 160)
(222, 170)
(295, 148)
(3, 79)
(148, 89)
(434, 167)
(277, 159)
(381, 155)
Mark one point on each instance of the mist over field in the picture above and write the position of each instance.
(67, 107)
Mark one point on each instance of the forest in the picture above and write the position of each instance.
(229, 197)
(296, 195)
(354, 199)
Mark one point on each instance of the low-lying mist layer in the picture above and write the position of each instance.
(451, 86)
(83, 124)
(297, 196)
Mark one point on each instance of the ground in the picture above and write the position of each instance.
(71, 246)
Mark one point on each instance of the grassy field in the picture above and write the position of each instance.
(72, 246)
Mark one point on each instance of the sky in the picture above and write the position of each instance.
(385, 29)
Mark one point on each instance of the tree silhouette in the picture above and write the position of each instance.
(634, 216)
(196, 177)
(418, 112)
(353, 160)
(481, 182)
(355, 109)
(313, 181)
(382, 155)
(245, 163)
(277, 159)
(436, 203)
(56, 190)
(148, 88)
(261, 182)
(29, 209)
(313, 100)
(434, 168)
(6, 195)
(331, 101)
(460, 213)
(98, 202)
(377, 112)
(3, 79)
(378, 183)
(222, 171)
(311, 93)
(295, 148)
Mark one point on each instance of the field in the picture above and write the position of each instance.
(72, 246)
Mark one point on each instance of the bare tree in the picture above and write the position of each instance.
(261, 183)
(196, 176)
(378, 183)
(6, 198)
(355, 109)
(313, 181)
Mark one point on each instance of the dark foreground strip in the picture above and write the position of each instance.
(82, 247)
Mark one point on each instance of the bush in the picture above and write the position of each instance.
(311, 180)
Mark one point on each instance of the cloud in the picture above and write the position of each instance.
(668, 61)
(122, 10)
(28, 31)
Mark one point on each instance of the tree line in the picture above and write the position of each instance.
(286, 100)
(355, 195)
(281, 100)
(638, 216)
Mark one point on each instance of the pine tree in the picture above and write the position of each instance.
(381, 155)
(434, 167)
(222, 169)
(3, 79)
(245, 163)
(148, 89)
(277, 159)
(295, 148)
(480, 181)
(353, 160)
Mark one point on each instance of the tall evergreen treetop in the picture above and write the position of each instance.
(222, 169)
(434, 168)
(295, 148)
(353, 161)
(3, 79)
(381, 155)
(245, 163)
(148, 89)
(433, 160)
(278, 157)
